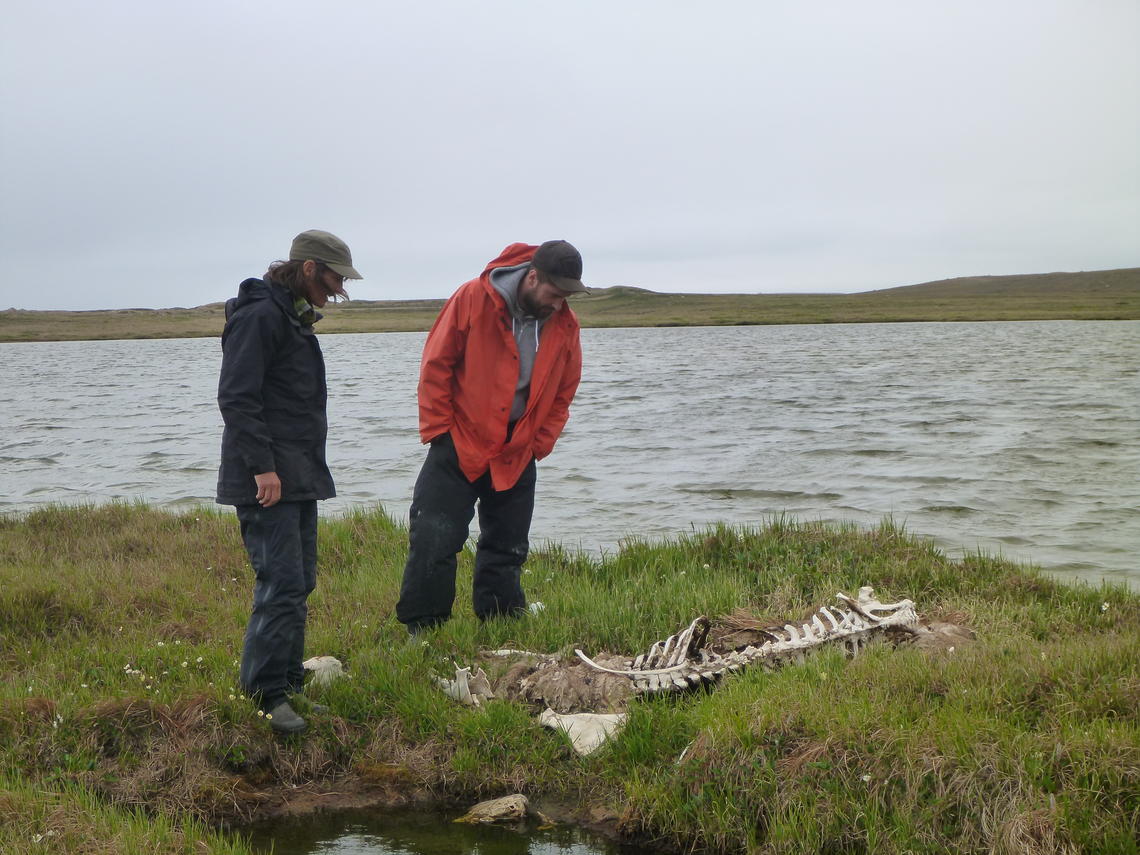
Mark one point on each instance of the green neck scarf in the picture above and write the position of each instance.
(305, 311)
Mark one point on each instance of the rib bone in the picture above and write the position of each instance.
(681, 661)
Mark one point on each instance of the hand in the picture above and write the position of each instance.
(268, 489)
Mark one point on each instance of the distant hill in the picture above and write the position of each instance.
(1123, 280)
(1094, 295)
(1091, 295)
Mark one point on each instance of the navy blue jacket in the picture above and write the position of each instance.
(272, 395)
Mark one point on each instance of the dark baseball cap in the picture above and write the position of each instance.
(562, 264)
(326, 248)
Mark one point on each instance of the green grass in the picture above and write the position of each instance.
(1093, 295)
(73, 819)
(121, 728)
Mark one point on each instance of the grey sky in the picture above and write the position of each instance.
(154, 153)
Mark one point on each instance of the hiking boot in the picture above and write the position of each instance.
(284, 719)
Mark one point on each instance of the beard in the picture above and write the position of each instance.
(532, 307)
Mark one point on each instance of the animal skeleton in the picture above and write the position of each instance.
(682, 662)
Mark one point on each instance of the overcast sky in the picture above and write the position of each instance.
(155, 154)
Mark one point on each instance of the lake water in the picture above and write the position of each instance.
(1020, 439)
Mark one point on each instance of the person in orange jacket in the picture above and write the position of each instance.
(499, 370)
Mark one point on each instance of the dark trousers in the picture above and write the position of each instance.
(282, 544)
(443, 504)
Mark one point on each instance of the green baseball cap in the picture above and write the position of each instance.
(326, 248)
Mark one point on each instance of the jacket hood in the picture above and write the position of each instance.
(516, 253)
(249, 291)
(253, 291)
(506, 281)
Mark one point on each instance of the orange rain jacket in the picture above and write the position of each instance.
(469, 371)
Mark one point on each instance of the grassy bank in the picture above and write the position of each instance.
(122, 731)
(1096, 295)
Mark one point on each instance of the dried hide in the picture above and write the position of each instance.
(587, 731)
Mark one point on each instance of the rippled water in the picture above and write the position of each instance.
(1016, 438)
(423, 832)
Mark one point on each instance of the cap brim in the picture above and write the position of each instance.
(570, 286)
(344, 270)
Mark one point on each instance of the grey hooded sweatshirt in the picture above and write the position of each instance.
(526, 329)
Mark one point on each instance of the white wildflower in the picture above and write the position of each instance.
(707, 566)
(866, 779)
(1104, 607)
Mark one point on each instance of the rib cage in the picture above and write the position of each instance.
(681, 661)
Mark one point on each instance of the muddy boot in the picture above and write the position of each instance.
(284, 719)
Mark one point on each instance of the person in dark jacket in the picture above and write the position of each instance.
(272, 396)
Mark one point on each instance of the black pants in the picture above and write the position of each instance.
(443, 504)
(282, 544)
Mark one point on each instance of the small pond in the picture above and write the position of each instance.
(424, 832)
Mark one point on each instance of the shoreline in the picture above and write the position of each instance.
(1093, 295)
(46, 337)
(954, 552)
(990, 740)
